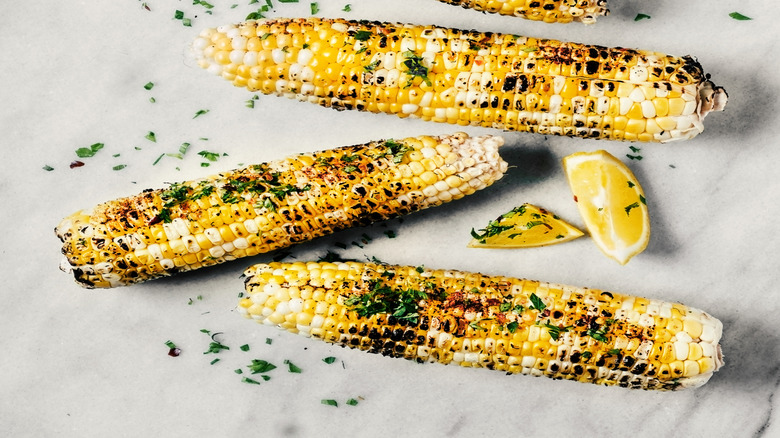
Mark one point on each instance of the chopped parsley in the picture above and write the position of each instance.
(347, 8)
(215, 346)
(151, 137)
(90, 151)
(211, 156)
(329, 360)
(415, 68)
(600, 334)
(314, 7)
(200, 113)
(291, 367)
(537, 303)
(492, 229)
(739, 17)
(396, 150)
(362, 35)
(244, 347)
(555, 331)
(629, 207)
(149, 86)
(260, 366)
(400, 303)
(352, 402)
(119, 167)
(251, 381)
(371, 67)
(330, 402)
(641, 17)
(512, 326)
(474, 325)
(47, 168)
(251, 102)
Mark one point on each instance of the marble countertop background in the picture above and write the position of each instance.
(94, 363)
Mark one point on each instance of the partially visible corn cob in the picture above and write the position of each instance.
(271, 205)
(549, 11)
(466, 77)
(502, 323)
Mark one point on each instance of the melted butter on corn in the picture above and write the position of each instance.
(502, 323)
(272, 205)
(466, 77)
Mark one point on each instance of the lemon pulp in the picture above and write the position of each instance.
(611, 202)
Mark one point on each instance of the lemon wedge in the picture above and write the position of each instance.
(611, 202)
(522, 227)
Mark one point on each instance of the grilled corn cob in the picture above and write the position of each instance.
(549, 11)
(272, 205)
(502, 323)
(466, 77)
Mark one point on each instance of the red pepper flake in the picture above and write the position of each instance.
(174, 352)
(75, 164)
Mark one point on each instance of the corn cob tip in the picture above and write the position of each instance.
(712, 98)
(474, 320)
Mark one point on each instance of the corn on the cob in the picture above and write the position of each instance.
(549, 11)
(466, 77)
(502, 323)
(272, 205)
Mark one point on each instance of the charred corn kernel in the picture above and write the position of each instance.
(473, 320)
(482, 79)
(285, 207)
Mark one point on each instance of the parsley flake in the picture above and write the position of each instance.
(537, 303)
(291, 367)
(415, 68)
(739, 17)
(260, 366)
(90, 151)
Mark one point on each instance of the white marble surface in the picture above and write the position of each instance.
(88, 363)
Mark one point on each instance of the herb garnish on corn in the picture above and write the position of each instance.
(272, 205)
(502, 323)
(466, 77)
